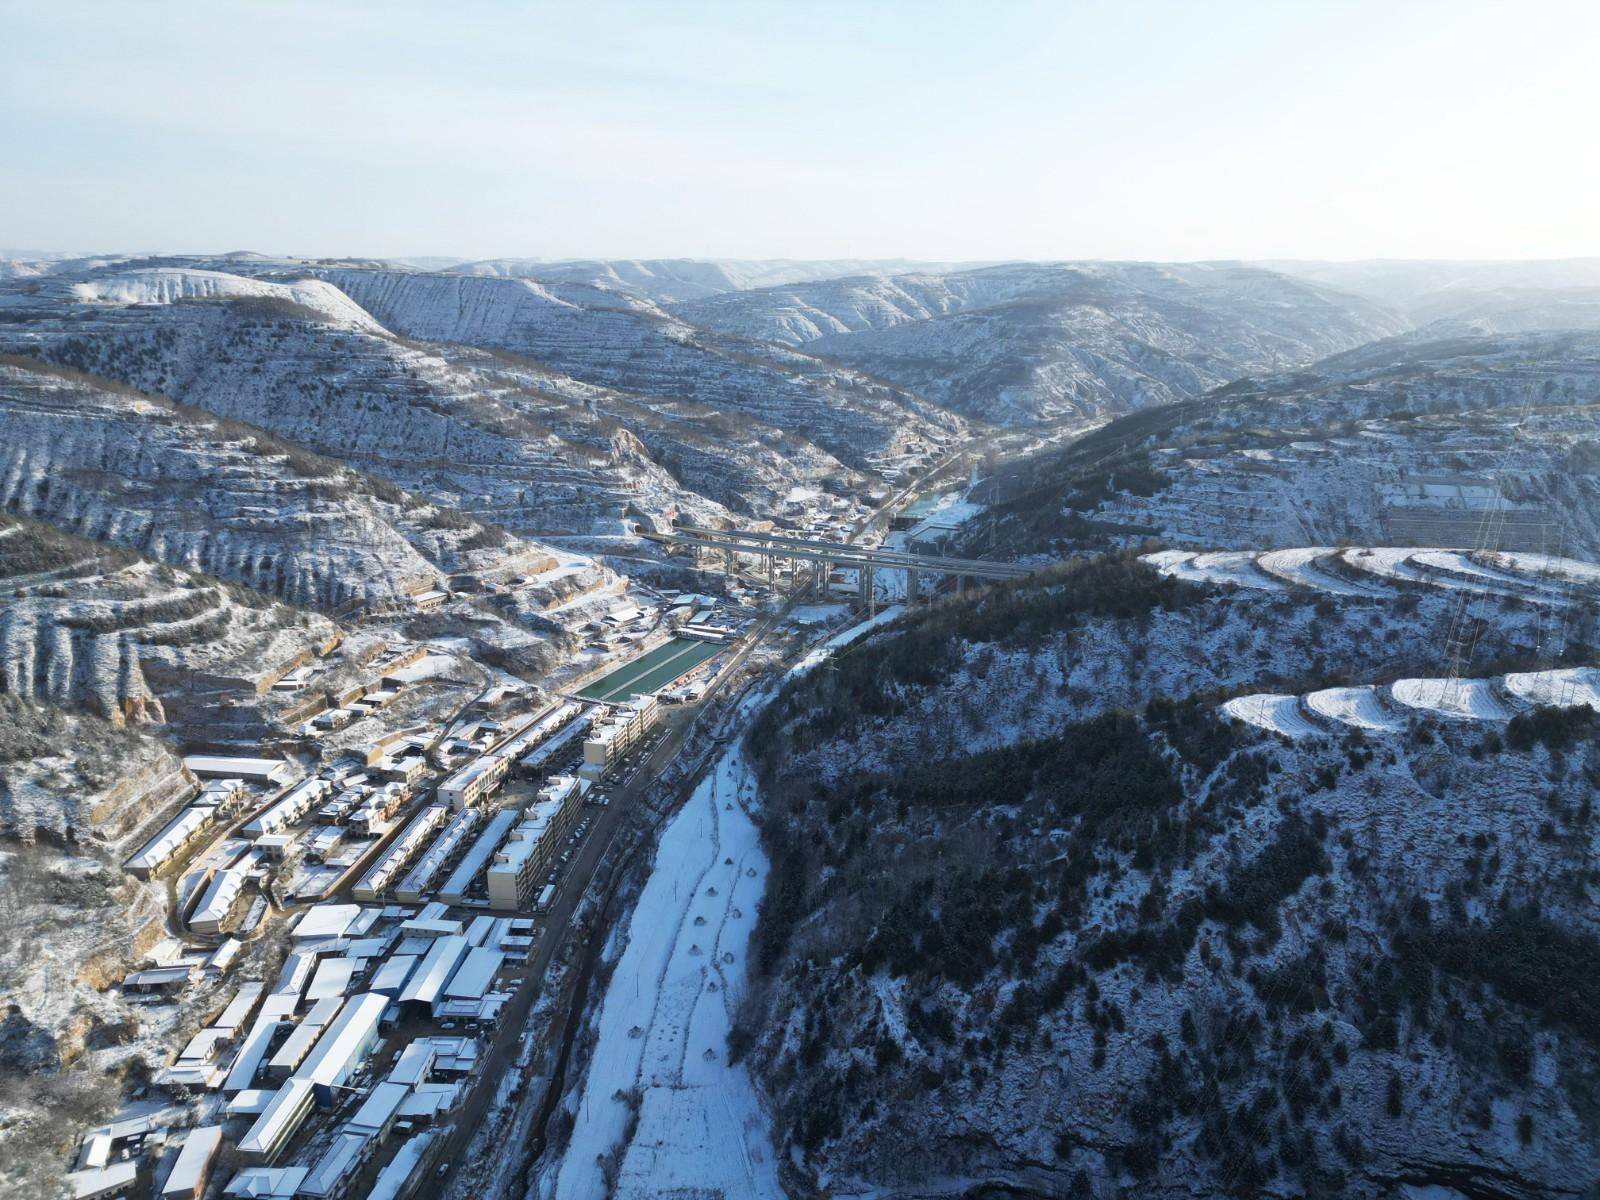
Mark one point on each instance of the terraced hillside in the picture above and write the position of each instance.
(512, 449)
(1388, 709)
(626, 343)
(110, 463)
(1390, 571)
(87, 626)
(504, 435)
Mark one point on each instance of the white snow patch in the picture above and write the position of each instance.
(430, 666)
(1237, 567)
(1165, 560)
(166, 285)
(817, 614)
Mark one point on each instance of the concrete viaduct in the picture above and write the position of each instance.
(824, 556)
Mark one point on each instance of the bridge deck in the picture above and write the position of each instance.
(841, 554)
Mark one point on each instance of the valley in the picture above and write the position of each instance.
(1168, 739)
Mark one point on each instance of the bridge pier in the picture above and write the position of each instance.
(864, 586)
(913, 587)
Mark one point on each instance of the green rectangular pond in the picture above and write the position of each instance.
(651, 670)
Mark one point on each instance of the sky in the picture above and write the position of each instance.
(925, 130)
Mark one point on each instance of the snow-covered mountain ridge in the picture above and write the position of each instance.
(1469, 442)
(524, 386)
(622, 342)
(1029, 342)
(668, 280)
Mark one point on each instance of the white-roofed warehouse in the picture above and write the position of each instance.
(345, 1045)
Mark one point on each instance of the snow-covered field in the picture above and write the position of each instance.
(1393, 562)
(952, 508)
(1567, 569)
(663, 1026)
(1473, 699)
(430, 666)
(1359, 706)
(1272, 712)
(1367, 707)
(1446, 564)
(1299, 566)
(845, 637)
(1564, 689)
(817, 614)
(1524, 576)
(1452, 570)
(1237, 567)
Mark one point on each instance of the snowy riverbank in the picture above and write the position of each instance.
(663, 1025)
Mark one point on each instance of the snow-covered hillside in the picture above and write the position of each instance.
(1030, 342)
(1017, 939)
(622, 342)
(215, 497)
(513, 450)
(1424, 288)
(82, 627)
(542, 406)
(1474, 442)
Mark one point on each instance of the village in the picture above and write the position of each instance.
(400, 886)
(414, 880)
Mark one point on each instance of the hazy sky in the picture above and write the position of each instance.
(1285, 128)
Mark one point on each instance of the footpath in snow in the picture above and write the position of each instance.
(663, 1025)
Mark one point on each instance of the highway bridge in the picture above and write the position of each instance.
(824, 556)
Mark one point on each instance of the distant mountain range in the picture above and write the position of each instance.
(1489, 296)
(1024, 343)
(532, 400)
